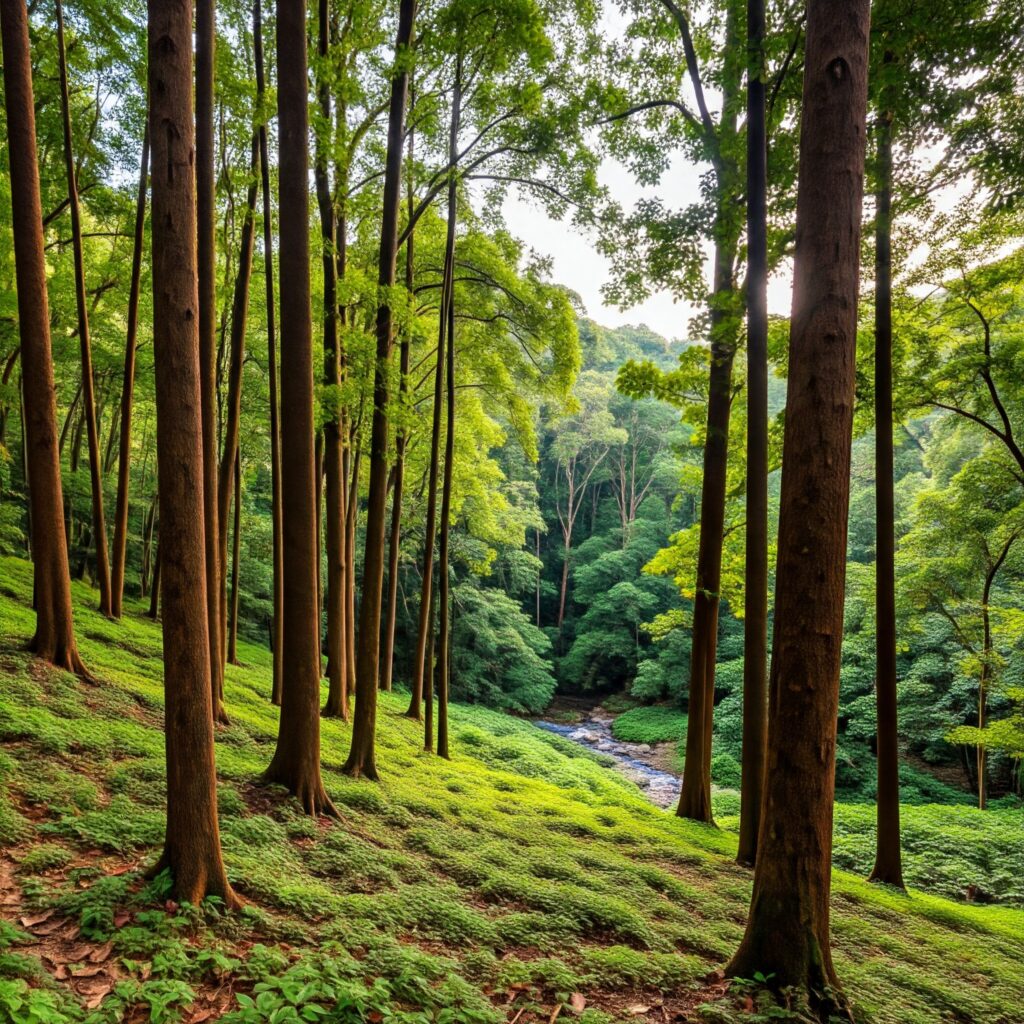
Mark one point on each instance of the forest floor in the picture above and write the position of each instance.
(523, 881)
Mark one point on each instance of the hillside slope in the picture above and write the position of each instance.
(519, 876)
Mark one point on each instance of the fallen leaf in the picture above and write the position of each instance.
(77, 953)
(101, 953)
(637, 1009)
(51, 926)
(87, 972)
(121, 918)
(31, 920)
(199, 1016)
(61, 972)
(554, 1013)
(577, 1002)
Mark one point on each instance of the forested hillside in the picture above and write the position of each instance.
(384, 637)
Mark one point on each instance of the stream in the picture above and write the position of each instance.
(634, 760)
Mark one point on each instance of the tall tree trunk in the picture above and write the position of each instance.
(443, 637)
(54, 638)
(335, 512)
(296, 761)
(192, 845)
(428, 681)
(99, 528)
(421, 664)
(276, 643)
(888, 862)
(755, 623)
(351, 519)
(695, 794)
(206, 206)
(361, 759)
(395, 539)
(236, 360)
(235, 553)
(695, 797)
(787, 935)
(124, 455)
(154, 594)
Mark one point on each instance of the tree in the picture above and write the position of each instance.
(127, 390)
(888, 857)
(361, 758)
(206, 207)
(755, 589)
(296, 760)
(965, 539)
(192, 850)
(580, 446)
(277, 623)
(99, 528)
(54, 638)
(787, 934)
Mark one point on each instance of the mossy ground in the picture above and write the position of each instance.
(490, 888)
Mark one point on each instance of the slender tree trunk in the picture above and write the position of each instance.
(888, 862)
(235, 552)
(154, 594)
(539, 572)
(755, 623)
(428, 682)
(695, 795)
(351, 519)
(5, 377)
(239, 317)
(296, 761)
(192, 845)
(563, 589)
(787, 935)
(276, 642)
(206, 207)
(128, 389)
(395, 539)
(361, 758)
(444, 623)
(337, 693)
(443, 637)
(54, 639)
(421, 665)
(99, 528)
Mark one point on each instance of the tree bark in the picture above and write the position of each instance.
(296, 761)
(695, 795)
(276, 642)
(235, 553)
(755, 623)
(421, 665)
(361, 758)
(888, 861)
(787, 934)
(99, 528)
(206, 207)
(395, 539)
(154, 594)
(54, 639)
(443, 633)
(335, 512)
(192, 849)
(239, 317)
(124, 454)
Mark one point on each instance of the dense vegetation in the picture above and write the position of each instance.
(513, 878)
(278, 374)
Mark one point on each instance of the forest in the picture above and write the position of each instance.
(398, 625)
